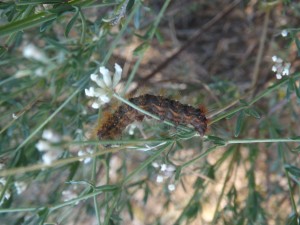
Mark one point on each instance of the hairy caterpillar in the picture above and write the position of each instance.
(164, 108)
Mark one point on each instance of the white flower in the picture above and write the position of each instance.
(106, 84)
(159, 179)
(278, 76)
(39, 72)
(50, 156)
(155, 164)
(280, 67)
(84, 153)
(131, 129)
(50, 136)
(163, 167)
(166, 172)
(117, 75)
(274, 58)
(7, 192)
(45, 145)
(284, 33)
(20, 187)
(30, 51)
(171, 187)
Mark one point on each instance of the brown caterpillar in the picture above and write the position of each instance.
(164, 108)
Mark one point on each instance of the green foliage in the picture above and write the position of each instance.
(48, 51)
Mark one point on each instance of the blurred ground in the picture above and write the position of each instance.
(226, 52)
(218, 67)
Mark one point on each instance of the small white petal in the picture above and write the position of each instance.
(49, 157)
(42, 146)
(117, 76)
(159, 179)
(285, 72)
(170, 168)
(93, 77)
(274, 58)
(278, 76)
(274, 68)
(131, 129)
(81, 153)
(95, 105)
(163, 167)
(90, 92)
(20, 187)
(155, 164)
(106, 76)
(99, 82)
(284, 33)
(32, 52)
(2, 181)
(87, 160)
(14, 116)
(171, 187)
(7, 192)
(104, 98)
(49, 135)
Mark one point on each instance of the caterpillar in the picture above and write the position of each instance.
(164, 108)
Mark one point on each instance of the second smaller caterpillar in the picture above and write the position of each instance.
(164, 108)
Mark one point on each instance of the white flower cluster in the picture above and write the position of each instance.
(51, 153)
(20, 187)
(280, 68)
(106, 84)
(166, 172)
(86, 152)
(30, 51)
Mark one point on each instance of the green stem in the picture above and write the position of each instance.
(253, 141)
